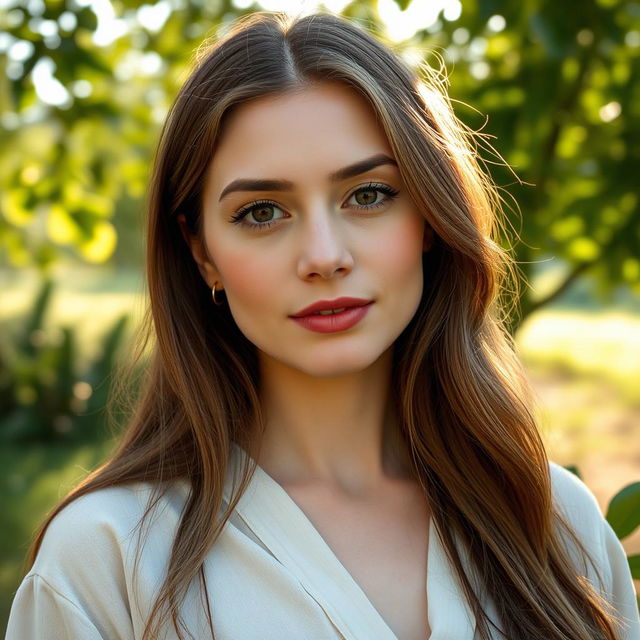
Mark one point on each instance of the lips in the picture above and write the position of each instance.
(331, 307)
(333, 321)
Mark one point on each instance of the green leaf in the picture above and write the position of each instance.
(634, 565)
(403, 4)
(623, 513)
(36, 319)
(87, 19)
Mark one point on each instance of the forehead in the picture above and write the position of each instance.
(319, 127)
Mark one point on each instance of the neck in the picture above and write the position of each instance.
(336, 431)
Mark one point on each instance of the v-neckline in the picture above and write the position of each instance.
(284, 528)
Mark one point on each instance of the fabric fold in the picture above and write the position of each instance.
(280, 524)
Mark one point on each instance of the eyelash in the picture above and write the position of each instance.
(238, 217)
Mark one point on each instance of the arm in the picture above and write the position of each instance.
(39, 612)
(579, 506)
(620, 592)
(77, 587)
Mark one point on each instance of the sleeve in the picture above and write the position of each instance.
(39, 612)
(613, 577)
(78, 585)
(620, 591)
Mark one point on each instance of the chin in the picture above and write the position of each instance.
(331, 371)
(334, 362)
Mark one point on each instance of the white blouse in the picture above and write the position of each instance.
(270, 575)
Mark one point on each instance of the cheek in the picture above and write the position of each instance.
(245, 278)
(250, 282)
(402, 250)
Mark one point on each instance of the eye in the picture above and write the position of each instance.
(263, 213)
(367, 197)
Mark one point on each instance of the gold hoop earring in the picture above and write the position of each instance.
(213, 293)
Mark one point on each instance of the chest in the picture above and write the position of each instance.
(383, 544)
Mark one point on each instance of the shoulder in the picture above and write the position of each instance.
(97, 531)
(99, 509)
(80, 583)
(607, 567)
(571, 495)
(589, 531)
(577, 505)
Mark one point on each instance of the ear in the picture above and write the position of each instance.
(208, 270)
(428, 238)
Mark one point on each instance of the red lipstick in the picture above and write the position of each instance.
(329, 305)
(337, 315)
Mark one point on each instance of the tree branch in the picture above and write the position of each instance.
(574, 274)
(581, 267)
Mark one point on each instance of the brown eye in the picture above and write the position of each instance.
(263, 213)
(366, 197)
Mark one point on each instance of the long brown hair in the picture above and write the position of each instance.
(461, 398)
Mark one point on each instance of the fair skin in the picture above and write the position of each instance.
(331, 439)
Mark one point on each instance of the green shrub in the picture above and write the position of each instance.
(45, 395)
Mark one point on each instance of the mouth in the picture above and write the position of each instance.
(328, 312)
(331, 307)
(333, 320)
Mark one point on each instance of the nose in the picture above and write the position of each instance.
(323, 249)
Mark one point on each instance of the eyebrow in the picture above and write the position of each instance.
(256, 184)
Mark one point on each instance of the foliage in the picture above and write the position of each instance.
(43, 394)
(634, 564)
(559, 87)
(623, 513)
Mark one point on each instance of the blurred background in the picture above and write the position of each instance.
(84, 88)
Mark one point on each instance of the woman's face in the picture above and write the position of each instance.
(314, 230)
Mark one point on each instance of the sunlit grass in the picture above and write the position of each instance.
(591, 345)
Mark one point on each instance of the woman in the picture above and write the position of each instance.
(324, 292)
